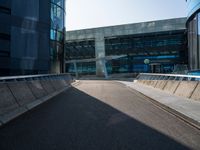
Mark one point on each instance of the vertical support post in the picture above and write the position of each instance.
(100, 53)
(104, 68)
(75, 68)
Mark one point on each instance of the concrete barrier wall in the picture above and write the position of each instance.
(47, 85)
(187, 89)
(7, 100)
(37, 89)
(196, 93)
(21, 92)
(161, 84)
(17, 97)
(171, 86)
(153, 83)
(57, 84)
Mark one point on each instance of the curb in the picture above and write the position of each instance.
(77, 82)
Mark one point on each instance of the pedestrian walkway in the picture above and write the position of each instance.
(188, 109)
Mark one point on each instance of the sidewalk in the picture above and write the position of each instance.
(187, 109)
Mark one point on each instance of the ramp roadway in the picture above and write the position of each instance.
(98, 115)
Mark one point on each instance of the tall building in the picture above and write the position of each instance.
(31, 36)
(193, 27)
(155, 46)
(57, 35)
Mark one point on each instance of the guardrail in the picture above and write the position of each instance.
(34, 77)
(19, 94)
(176, 77)
(187, 86)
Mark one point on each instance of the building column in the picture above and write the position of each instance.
(100, 53)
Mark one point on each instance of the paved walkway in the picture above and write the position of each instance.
(98, 115)
(186, 108)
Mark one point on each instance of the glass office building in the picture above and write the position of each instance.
(57, 35)
(81, 50)
(193, 26)
(163, 50)
(31, 36)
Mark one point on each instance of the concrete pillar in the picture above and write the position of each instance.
(75, 69)
(100, 52)
(55, 66)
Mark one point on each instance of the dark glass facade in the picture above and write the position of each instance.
(57, 35)
(78, 50)
(5, 13)
(163, 50)
(25, 37)
(193, 26)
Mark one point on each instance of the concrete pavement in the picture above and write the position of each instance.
(98, 115)
(186, 108)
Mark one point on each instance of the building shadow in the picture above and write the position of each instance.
(74, 120)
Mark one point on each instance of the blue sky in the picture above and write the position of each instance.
(81, 14)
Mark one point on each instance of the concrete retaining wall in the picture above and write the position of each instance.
(7, 100)
(47, 85)
(17, 97)
(171, 86)
(153, 83)
(161, 84)
(196, 93)
(21, 92)
(187, 89)
(37, 89)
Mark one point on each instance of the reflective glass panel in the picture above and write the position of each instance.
(57, 17)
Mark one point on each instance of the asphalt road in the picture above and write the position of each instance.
(98, 115)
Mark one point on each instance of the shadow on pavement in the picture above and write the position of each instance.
(74, 120)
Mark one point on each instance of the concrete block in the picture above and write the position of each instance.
(153, 83)
(12, 114)
(196, 93)
(7, 100)
(47, 85)
(56, 84)
(22, 92)
(68, 80)
(186, 88)
(171, 86)
(139, 81)
(148, 82)
(64, 83)
(161, 84)
(37, 89)
(33, 104)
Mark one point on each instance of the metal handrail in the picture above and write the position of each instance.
(171, 75)
(25, 77)
(157, 76)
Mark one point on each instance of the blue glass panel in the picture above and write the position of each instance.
(157, 57)
(198, 23)
(193, 5)
(53, 35)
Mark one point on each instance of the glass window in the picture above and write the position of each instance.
(58, 2)
(198, 23)
(53, 35)
(57, 17)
